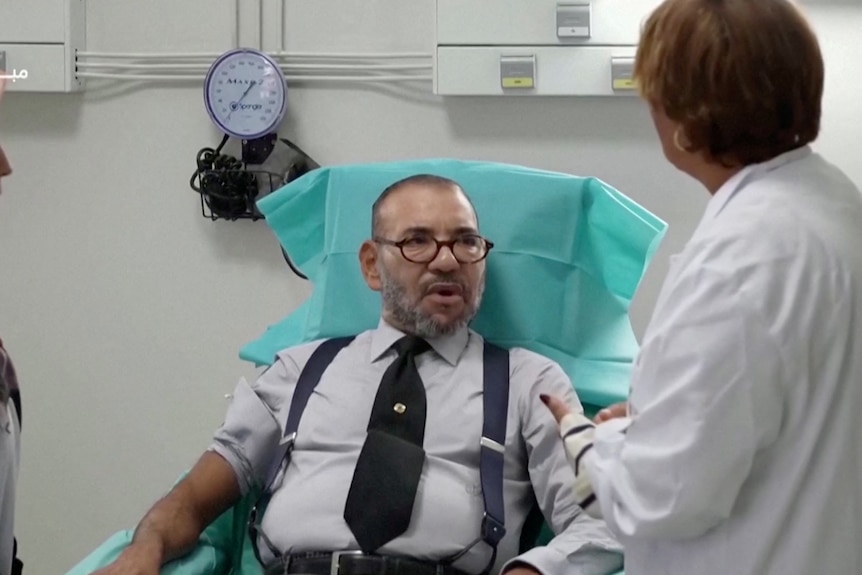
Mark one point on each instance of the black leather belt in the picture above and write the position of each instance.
(357, 563)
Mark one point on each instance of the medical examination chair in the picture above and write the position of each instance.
(569, 254)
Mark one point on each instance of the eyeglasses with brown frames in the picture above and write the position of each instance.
(422, 249)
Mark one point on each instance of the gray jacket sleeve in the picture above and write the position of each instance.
(582, 545)
(249, 437)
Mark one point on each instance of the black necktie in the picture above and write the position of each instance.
(380, 501)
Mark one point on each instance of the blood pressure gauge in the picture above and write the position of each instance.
(245, 93)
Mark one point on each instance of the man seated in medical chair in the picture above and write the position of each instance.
(365, 474)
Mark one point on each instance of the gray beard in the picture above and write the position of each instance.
(411, 319)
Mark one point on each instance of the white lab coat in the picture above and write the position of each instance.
(744, 451)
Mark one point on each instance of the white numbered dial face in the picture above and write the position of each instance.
(245, 94)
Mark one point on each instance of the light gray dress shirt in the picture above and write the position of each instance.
(306, 511)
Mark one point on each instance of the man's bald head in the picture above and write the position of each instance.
(425, 180)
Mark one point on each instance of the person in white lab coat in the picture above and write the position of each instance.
(740, 450)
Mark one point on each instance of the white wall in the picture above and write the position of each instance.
(124, 309)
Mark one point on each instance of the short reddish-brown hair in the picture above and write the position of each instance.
(744, 78)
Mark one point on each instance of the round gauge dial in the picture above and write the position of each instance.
(245, 94)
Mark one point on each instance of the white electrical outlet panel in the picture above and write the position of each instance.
(568, 47)
(39, 40)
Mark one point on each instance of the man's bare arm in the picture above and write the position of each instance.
(172, 526)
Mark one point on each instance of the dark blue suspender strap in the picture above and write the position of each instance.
(495, 396)
(308, 380)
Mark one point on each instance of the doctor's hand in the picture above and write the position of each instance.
(614, 411)
(559, 409)
(577, 432)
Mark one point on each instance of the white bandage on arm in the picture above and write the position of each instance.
(578, 435)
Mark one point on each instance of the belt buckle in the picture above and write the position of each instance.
(336, 559)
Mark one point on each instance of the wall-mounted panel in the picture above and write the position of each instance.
(42, 38)
(537, 47)
(556, 71)
(540, 22)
